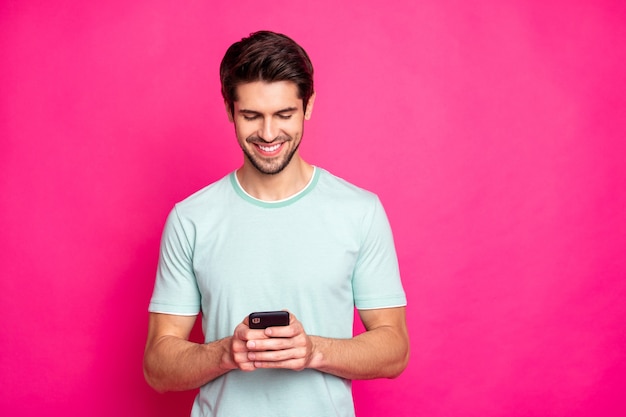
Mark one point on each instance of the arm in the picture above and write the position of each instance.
(172, 363)
(382, 351)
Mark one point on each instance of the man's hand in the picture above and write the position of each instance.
(239, 352)
(282, 347)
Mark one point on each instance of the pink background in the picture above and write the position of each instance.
(494, 132)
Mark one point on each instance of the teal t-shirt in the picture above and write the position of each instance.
(318, 254)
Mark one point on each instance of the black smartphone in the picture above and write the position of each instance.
(263, 319)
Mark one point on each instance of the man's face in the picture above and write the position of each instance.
(269, 122)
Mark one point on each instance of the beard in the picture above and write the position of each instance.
(270, 166)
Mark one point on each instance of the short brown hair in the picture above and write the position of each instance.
(266, 56)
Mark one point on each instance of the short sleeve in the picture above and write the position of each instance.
(376, 280)
(176, 290)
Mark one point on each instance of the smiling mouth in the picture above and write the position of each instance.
(270, 148)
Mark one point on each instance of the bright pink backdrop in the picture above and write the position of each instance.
(493, 131)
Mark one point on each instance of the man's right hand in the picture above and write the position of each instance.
(238, 355)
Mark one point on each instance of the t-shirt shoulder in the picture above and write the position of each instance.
(210, 194)
(333, 185)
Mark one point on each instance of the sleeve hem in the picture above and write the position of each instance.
(381, 307)
(388, 302)
(173, 309)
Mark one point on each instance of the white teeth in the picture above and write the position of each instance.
(269, 148)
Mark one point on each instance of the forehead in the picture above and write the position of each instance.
(261, 95)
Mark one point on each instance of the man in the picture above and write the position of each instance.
(278, 233)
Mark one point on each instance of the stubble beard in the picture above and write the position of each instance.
(269, 166)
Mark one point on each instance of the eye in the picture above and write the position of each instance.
(254, 117)
(284, 116)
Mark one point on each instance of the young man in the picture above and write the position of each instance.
(278, 233)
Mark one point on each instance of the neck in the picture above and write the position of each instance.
(286, 183)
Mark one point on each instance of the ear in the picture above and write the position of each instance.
(228, 111)
(309, 107)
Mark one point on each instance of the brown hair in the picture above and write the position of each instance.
(266, 56)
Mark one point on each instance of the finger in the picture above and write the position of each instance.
(271, 344)
(239, 355)
(277, 355)
(246, 366)
(240, 358)
(283, 331)
(243, 332)
(293, 364)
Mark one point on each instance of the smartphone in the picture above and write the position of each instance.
(263, 319)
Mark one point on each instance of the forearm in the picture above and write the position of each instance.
(175, 364)
(379, 353)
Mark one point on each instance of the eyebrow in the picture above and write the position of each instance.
(285, 110)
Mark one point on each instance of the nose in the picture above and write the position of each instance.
(268, 130)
